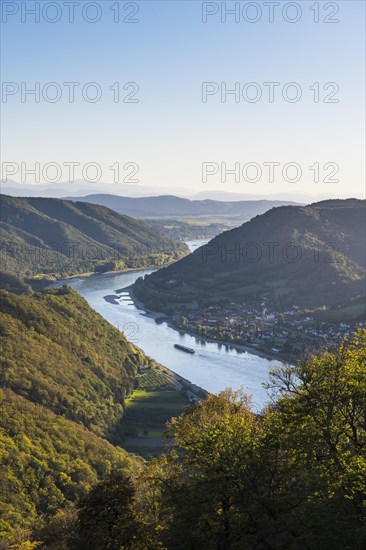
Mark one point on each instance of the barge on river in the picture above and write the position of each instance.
(184, 348)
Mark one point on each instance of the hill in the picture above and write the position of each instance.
(47, 462)
(52, 236)
(58, 352)
(177, 207)
(292, 477)
(65, 374)
(312, 256)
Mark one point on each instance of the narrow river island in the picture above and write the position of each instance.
(213, 366)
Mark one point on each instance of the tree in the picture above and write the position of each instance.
(105, 518)
(319, 424)
(291, 478)
(202, 481)
(183, 321)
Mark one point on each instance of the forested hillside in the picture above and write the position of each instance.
(312, 256)
(57, 237)
(47, 461)
(291, 478)
(58, 352)
(64, 376)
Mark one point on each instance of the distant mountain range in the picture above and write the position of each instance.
(312, 256)
(81, 188)
(170, 205)
(52, 236)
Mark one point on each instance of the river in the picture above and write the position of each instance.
(213, 367)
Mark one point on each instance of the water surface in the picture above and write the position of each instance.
(213, 366)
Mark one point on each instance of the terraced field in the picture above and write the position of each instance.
(157, 394)
(153, 379)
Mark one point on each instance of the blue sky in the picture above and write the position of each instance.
(170, 132)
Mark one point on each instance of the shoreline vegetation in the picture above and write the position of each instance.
(48, 282)
(116, 272)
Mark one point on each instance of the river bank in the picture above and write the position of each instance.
(193, 391)
(192, 245)
(213, 367)
(156, 315)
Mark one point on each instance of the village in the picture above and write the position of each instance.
(287, 334)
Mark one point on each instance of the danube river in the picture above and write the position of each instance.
(213, 367)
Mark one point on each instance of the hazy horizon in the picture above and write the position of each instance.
(233, 108)
(65, 190)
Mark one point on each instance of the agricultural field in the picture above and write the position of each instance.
(164, 399)
(187, 229)
(346, 313)
(155, 401)
(153, 379)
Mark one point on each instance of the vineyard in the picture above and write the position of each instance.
(153, 379)
(155, 400)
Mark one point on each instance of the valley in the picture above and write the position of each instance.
(96, 378)
(213, 367)
(44, 239)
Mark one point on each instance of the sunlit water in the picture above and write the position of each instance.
(214, 367)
